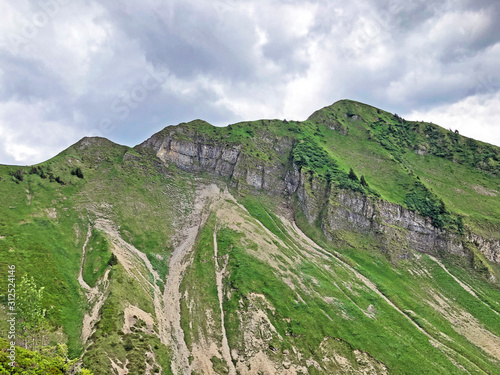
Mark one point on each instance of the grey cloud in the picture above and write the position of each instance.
(190, 42)
(216, 66)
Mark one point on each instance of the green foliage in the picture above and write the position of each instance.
(113, 260)
(31, 314)
(128, 345)
(352, 175)
(426, 203)
(18, 175)
(97, 257)
(77, 172)
(399, 136)
(363, 182)
(309, 156)
(49, 360)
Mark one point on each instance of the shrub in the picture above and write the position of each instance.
(363, 181)
(18, 175)
(113, 260)
(352, 175)
(128, 346)
(426, 203)
(77, 172)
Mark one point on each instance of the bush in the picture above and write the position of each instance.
(363, 181)
(18, 175)
(426, 203)
(128, 346)
(352, 175)
(77, 172)
(113, 260)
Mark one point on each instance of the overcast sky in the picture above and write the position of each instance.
(124, 70)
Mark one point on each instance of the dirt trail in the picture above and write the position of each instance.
(95, 295)
(436, 343)
(466, 287)
(130, 258)
(82, 282)
(219, 274)
(172, 295)
(117, 368)
(91, 318)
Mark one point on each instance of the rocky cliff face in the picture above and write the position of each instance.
(397, 229)
(199, 154)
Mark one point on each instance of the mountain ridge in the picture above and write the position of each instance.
(330, 245)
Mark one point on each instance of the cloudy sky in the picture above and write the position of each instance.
(124, 70)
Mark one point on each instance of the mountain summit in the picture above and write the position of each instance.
(352, 242)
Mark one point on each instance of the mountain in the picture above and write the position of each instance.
(352, 242)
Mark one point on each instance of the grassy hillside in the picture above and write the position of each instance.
(189, 273)
(43, 223)
(392, 154)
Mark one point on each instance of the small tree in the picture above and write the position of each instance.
(113, 260)
(18, 175)
(352, 175)
(30, 312)
(77, 172)
(363, 181)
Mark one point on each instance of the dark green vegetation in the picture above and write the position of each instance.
(460, 171)
(341, 298)
(97, 258)
(312, 158)
(351, 135)
(43, 225)
(422, 200)
(50, 360)
(325, 299)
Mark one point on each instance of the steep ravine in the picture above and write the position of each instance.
(219, 275)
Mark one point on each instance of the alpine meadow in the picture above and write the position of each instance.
(352, 242)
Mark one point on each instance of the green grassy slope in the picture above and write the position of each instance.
(44, 223)
(420, 320)
(391, 153)
(317, 304)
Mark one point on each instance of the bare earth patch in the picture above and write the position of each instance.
(132, 314)
(467, 325)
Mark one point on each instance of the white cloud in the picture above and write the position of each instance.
(26, 137)
(232, 61)
(477, 116)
